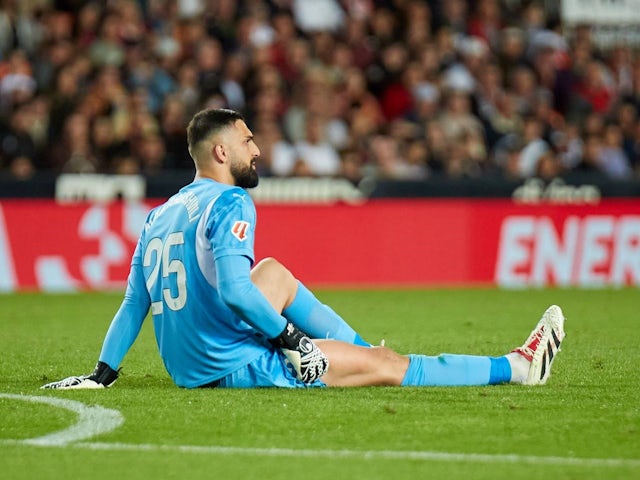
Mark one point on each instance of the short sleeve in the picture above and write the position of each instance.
(231, 225)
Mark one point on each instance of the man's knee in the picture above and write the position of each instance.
(267, 263)
(274, 280)
(272, 270)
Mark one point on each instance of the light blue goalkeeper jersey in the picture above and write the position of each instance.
(173, 274)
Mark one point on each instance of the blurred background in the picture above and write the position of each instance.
(519, 102)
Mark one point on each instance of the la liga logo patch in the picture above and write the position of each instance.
(240, 229)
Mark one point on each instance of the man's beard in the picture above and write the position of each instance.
(245, 176)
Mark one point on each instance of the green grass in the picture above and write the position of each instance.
(588, 410)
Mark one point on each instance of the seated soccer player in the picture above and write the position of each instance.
(221, 321)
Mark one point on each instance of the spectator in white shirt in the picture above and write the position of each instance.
(315, 156)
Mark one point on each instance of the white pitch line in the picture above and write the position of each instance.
(96, 420)
(366, 454)
(91, 421)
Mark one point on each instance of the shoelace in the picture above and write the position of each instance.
(530, 348)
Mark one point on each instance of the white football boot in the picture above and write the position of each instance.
(543, 345)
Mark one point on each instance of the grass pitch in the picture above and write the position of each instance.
(583, 424)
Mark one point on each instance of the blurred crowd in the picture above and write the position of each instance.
(397, 89)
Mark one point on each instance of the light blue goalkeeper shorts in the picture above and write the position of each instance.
(269, 370)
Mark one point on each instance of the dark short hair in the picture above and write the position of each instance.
(207, 122)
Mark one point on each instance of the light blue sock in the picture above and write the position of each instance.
(318, 320)
(456, 370)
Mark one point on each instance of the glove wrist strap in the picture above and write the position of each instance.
(104, 374)
(289, 338)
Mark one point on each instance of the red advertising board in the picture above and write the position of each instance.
(47, 246)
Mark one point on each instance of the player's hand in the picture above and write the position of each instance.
(103, 376)
(309, 362)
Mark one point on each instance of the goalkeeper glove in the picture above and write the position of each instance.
(307, 359)
(103, 376)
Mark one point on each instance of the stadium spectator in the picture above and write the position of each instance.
(613, 159)
(187, 90)
(387, 72)
(108, 48)
(485, 21)
(636, 149)
(231, 84)
(590, 159)
(19, 29)
(104, 144)
(548, 166)
(626, 117)
(278, 156)
(397, 98)
(315, 156)
(88, 24)
(143, 72)
(21, 168)
(511, 50)
(74, 153)
(452, 14)
(504, 120)
(15, 141)
(634, 96)
(352, 165)
(151, 150)
(417, 157)
(124, 163)
(220, 19)
(390, 162)
(620, 65)
(417, 19)
(362, 44)
(489, 89)
(569, 145)
(535, 147)
(360, 100)
(210, 60)
(426, 103)
(437, 145)
(17, 84)
(457, 118)
(594, 87)
(172, 120)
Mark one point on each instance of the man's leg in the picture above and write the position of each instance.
(456, 370)
(319, 320)
(530, 364)
(298, 305)
(353, 366)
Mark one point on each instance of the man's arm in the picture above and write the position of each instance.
(247, 301)
(239, 293)
(122, 332)
(126, 324)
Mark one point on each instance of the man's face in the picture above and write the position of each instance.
(243, 153)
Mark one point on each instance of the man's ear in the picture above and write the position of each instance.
(219, 153)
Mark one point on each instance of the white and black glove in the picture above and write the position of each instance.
(103, 376)
(307, 359)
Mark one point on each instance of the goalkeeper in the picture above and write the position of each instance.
(220, 321)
